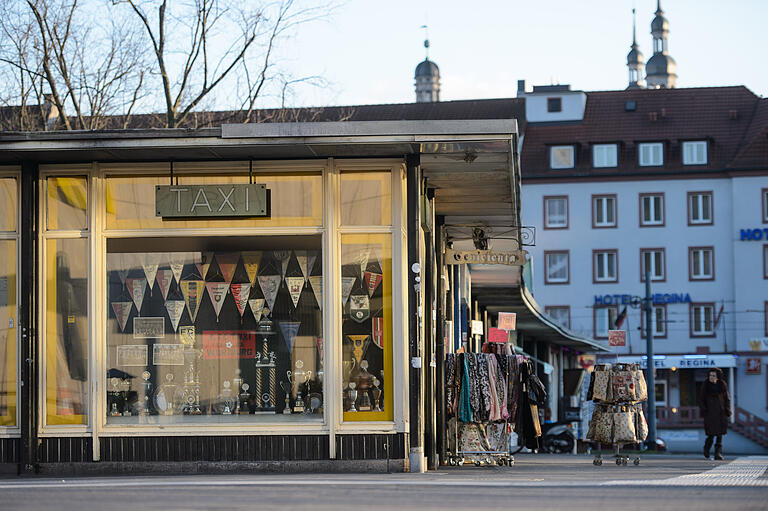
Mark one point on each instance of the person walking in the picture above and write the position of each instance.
(715, 407)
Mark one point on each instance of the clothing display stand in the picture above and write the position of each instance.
(618, 392)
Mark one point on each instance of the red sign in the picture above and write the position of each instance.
(497, 335)
(617, 337)
(228, 344)
(754, 366)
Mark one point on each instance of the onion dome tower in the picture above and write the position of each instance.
(427, 79)
(635, 61)
(661, 68)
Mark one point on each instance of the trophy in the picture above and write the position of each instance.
(126, 385)
(266, 361)
(225, 403)
(191, 393)
(300, 377)
(147, 390)
(238, 383)
(286, 386)
(243, 407)
(364, 379)
(376, 395)
(352, 393)
(165, 397)
(115, 392)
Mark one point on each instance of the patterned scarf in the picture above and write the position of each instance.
(450, 383)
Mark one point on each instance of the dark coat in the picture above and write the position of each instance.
(715, 407)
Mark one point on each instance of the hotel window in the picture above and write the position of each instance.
(556, 267)
(695, 153)
(658, 321)
(702, 319)
(603, 211)
(561, 157)
(651, 155)
(765, 318)
(699, 208)
(605, 266)
(560, 314)
(702, 263)
(605, 319)
(651, 209)
(604, 155)
(765, 205)
(653, 259)
(556, 212)
(765, 261)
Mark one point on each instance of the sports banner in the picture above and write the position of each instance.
(316, 282)
(175, 309)
(346, 287)
(217, 292)
(164, 278)
(240, 293)
(227, 263)
(289, 329)
(251, 261)
(295, 286)
(257, 307)
(137, 288)
(122, 311)
(378, 331)
(270, 284)
(193, 295)
(372, 281)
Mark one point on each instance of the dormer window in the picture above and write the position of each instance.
(651, 155)
(695, 153)
(561, 157)
(604, 155)
(554, 104)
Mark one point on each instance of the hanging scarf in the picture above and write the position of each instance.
(450, 382)
(484, 385)
(475, 401)
(513, 386)
(501, 388)
(465, 408)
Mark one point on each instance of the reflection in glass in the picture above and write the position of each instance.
(215, 335)
(66, 356)
(366, 198)
(366, 294)
(8, 204)
(8, 321)
(67, 202)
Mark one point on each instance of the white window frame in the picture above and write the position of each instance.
(661, 383)
(650, 154)
(605, 316)
(658, 321)
(600, 204)
(699, 257)
(560, 314)
(601, 263)
(695, 152)
(656, 202)
(548, 224)
(548, 267)
(605, 155)
(696, 204)
(698, 326)
(658, 272)
(558, 166)
(765, 205)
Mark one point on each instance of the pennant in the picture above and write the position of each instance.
(206, 258)
(176, 262)
(122, 311)
(317, 288)
(301, 258)
(311, 258)
(378, 331)
(227, 263)
(372, 281)
(193, 295)
(251, 262)
(269, 286)
(164, 278)
(175, 309)
(137, 288)
(257, 307)
(283, 256)
(295, 286)
(319, 344)
(346, 288)
(217, 292)
(359, 346)
(123, 274)
(362, 259)
(240, 293)
(289, 329)
(359, 308)
(150, 269)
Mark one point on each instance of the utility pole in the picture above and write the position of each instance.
(650, 377)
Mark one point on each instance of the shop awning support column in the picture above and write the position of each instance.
(440, 340)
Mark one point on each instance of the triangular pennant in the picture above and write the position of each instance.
(257, 307)
(301, 258)
(217, 292)
(269, 286)
(359, 307)
(164, 278)
(227, 263)
(206, 258)
(240, 293)
(251, 261)
(175, 309)
(149, 264)
(362, 259)
(359, 346)
(282, 256)
(193, 295)
(316, 281)
(346, 288)
(378, 331)
(177, 266)
(372, 281)
(295, 286)
(123, 274)
(137, 289)
(311, 258)
(289, 329)
(319, 344)
(122, 311)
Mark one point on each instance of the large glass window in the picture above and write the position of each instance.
(561, 157)
(556, 267)
(556, 212)
(8, 321)
(695, 153)
(651, 209)
(604, 155)
(605, 266)
(366, 198)
(700, 208)
(651, 155)
(603, 211)
(701, 263)
(214, 330)
(67, 203)
(702, 319)
(561, 314)
(8, 204)
(652, 259)
(605, 320)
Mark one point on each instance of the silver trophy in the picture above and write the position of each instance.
(300, 377)
(242, 402)
(352, 393)
(115, 382)
(225, 403)
(286, 386)
(376, 395)
(147, 385)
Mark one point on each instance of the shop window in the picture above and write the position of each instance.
(661, 392)
(557, 265)
(561, 157)
(67, 203)
(701, 262)
(700, 208)
(8, 204)
(605, 266)
(295, 199)
(653, 260)
(8, 330)
(366, 198)
(605, 319)
(651, 209)
(651, 155)
(603, 211)
(604, 155)
(702, 320)
(556, 212)
(695, 153)
(560, 314)
(366, 305)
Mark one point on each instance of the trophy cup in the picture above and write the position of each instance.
(364, 379)
(352, 393)
(225, 403)
(286, 386)
(376, 395)
(165, 397)
(147, 390)
(266, 361)
(191, 393)
(115, 392)
(242, 402)
(238, 383)
(300, 377)
(126, 385)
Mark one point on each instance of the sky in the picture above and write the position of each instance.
(367, 51)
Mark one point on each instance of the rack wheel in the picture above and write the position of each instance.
(597, 462)
(462, 461)
(637, 461)
(500, 462)
(452, 462)
(624, 461)
(511, 461)
(618, 461)
(477, 463)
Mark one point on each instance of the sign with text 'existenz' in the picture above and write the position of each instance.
(185, 201)
(513, 258)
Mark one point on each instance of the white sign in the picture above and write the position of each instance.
(477, 327)
(682, 361)
(512, 258)
(507, 320)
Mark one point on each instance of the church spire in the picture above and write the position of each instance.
(661, 68)
(427, 76)
(635, 61)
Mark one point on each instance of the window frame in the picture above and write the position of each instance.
(662, 250)
(596, 253)
(765, 317)
(641, 218)
(567, 280)
(691, 254)
(552, 101)
(689, 197)
(552, 148)
(601, 197)
(654, 322)
(765, 262)
(650, 145)
(567, 308)
(545, 223)
(694, 144)
(691, 324)
(595, 309)
(764, 201)
(595, 148)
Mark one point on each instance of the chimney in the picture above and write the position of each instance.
(520, 88)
